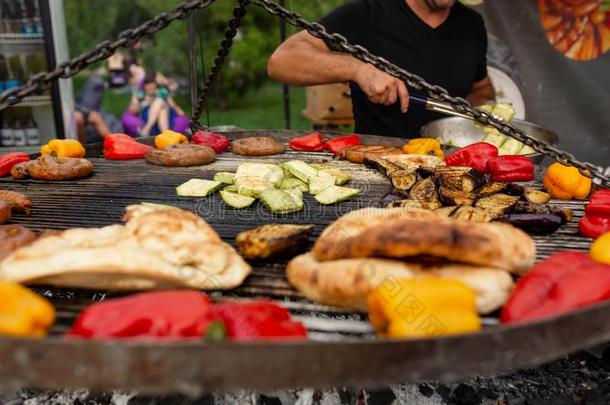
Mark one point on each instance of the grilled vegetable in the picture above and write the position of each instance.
(491, 188)
(526, 207)
(495, 138)
(300, 170)
(425, 193)
(504, 111)
(446, 211)
(473, 214)
(279, 201)
(510, 147)
(270, 173)
(321, 182)
(198, 188)
(251, 186)
(335, 194)
(403, 180)
(391, 197)
(459, 178)
(566, 183)
(225, 177)
(475, 156)
(424, 146)
(497, 204)
(536, 196)
(341, 177)
(230, 189)
(423, 172)
(381, 165)
(408, 203)
(454, 197)
(291, 182)
(534, 223)
(272, 240)
(510, 168)
(472, 180)
(235, 200)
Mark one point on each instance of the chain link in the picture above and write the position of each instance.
(101, 51)
(221, 56)
(339, 43)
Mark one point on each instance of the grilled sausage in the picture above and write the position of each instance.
(5, 212)
(257, 146)
(181, 155)
(17, 201)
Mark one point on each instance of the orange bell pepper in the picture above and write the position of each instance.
(22, 312)
(169, 137)
(64, 148)
(566, 182)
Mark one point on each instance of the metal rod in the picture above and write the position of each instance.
(192, 46)
(285, 88)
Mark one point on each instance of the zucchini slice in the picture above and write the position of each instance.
(300, 170)
(527, 150)
(235, 200)
(251, 186)
(231, 189)
(225, 177)
(290, 182)
(510, 147)
(504, 111)
(321, 182)
(342, 178)
(271, 173)
(495, 138)
(336, 194)
(280, 202)
(198, 188)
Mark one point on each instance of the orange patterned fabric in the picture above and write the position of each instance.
(579, 29)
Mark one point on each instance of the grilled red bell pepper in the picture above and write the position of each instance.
(475, 156)
(124, 147)
(336, 144)
(157, 315)
(563, 282)
(597, 215)
(215, 141)
(599, 203)
(311, 142)
(510, 168)
(258, 320)
(11, 159)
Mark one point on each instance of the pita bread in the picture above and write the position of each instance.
(156, 248)
(496, 245)
(347, 282)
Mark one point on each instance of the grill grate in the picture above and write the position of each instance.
(100, 200)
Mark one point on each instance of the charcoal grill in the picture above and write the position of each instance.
(342, 350)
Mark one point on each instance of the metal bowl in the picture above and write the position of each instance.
(461, 132)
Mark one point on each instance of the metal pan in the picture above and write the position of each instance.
(460, 132)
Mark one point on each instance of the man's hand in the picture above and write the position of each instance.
(380, 87)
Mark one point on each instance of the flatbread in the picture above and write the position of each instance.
(156, 248)
(347, 282)
(496, 245)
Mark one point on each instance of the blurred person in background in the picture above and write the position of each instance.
(92, 123)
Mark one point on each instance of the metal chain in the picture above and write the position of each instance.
(223, 52)
(340, 43)
(102, 51)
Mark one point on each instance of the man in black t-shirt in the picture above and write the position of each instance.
(440, 40)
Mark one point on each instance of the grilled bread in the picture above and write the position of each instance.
(156, 248)
(347, 282)
(488, 244)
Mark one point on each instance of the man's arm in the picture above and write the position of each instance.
(303, 60)
(482, 92)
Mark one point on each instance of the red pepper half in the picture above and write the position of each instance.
(11, 159)
(157, 315)
(475, 156)
(599, 203)
(510, 168)
(593, 226)
(561, 283)
(124, 147)
(215, 141)
(336, 144)
(259, 320)
(312, 143)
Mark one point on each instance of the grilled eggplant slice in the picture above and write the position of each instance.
(536, 196)
(423, 172)
(425, 193)
(472, 180)
(491, 189)
(404, 180)
(514, 189)
(539, 224)
(408, 203)
(459, 178)
(498, 204)
(272, 240)
(446, 211)
(391, 197)
(381, 165)
(454, 197)
(473, 214)
(526, 207)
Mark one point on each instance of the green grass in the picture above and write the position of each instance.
(261, 108)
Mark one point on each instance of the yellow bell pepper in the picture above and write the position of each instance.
(423, 307)
(64, 148)
(424, 146)
(169, 137)
(600, 250)
(566, 182)
(22, 312)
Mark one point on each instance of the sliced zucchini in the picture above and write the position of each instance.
(225, 177)
(251, 186)
(336, 194)
(488, 108)
(300, 170)
(279, 201)
(235, 200)
(527, 150)
(198, 188)
(496, 139)
(271, 173)
(504, 111)
(510, 147)
(295, 193)
(290, 182)
(231, 189)
(342, 178)
(320, 183)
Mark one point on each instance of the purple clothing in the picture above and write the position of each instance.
(132, 123)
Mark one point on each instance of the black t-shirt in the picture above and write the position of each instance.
(451, 55)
